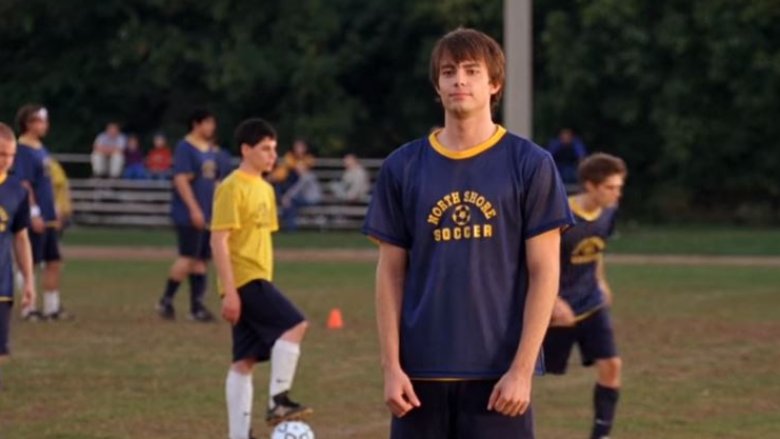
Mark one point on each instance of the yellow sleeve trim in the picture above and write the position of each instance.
(466, 153)
(6, 299)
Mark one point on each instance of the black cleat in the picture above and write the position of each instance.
(33, 317)
(286, 410)
(165, 310)
(60, 316)
(202, 315)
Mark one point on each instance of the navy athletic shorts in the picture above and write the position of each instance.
(45, 245)
(5, 327)
(594, 336)
(194, 243)
(458, 410)
(265, 315)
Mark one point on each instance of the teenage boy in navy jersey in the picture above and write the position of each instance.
(195, 176)
(14, 220)
(32, 166)
(469, 224)
(581, 315)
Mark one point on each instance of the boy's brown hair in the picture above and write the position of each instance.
(598, 167)
(464, 44)
(26, 114)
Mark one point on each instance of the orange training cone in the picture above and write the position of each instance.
(335, 320)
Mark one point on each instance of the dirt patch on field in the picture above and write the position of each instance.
(367, 255)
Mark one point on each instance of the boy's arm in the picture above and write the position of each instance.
(390, 275)
(512, 394)
(601, 277)
(182, 184)
(231, 303)
(23, 256)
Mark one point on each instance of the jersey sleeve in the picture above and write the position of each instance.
(385, 220)
(274, 220)
(183, 162)
(21, 219)
(225, 215)
(546, 205)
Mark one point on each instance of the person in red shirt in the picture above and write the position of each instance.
(160, 158)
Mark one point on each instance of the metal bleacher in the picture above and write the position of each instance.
(116, 202)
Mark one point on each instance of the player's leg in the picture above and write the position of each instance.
(597, 345)
(280, 328)
(179, 270)
(434, 418)
(52, 277)
(198, 279)
(556, 349)
(475, 421)
(5, 326)
(239, 394)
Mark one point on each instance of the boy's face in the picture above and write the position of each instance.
(608, 193)
(465, 88)
(261, 157)
(206, 128)
(7, 154)
(38, 127)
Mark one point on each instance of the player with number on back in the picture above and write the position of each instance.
(195, 175)
(581, 315)
(469, 224)
(266, 325)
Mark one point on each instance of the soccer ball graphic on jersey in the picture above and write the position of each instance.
(462, 215)
(292, 430)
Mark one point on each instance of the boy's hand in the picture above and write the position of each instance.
(562, 314)
(231, 307)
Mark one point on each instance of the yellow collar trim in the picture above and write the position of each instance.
(201, 145)
(3, 177)
(247, 175)
(30, 141)
(575, 207)
(466, 153)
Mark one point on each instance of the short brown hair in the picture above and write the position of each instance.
(6, 133)
(599, 166)
(26, 114)
(464, 44)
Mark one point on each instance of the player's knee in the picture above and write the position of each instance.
(610, 369)
(243, 367)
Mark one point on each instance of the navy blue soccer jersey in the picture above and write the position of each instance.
(464, 218)
(33, 165)
(14, 217)
(581, 248)
(202, 166)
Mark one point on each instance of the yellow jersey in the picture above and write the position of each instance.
(245, 204)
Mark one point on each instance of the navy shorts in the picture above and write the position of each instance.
(265, 315)
(458, 410)
(593, 335)
(194, 243)
(45, 246)
(5, 327)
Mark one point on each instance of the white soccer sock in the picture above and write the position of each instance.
(238, 392)
(284, 361)
(51, 302)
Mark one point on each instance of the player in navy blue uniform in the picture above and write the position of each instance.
(468, 222)
(32, 166)
(195, 176)
(14, 220)
(581, 314)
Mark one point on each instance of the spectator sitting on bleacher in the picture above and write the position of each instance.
(567, 151)
(284, 176)
(108, 152)
(160, 158)
(355, 184)
(134, 160)
(305, 192)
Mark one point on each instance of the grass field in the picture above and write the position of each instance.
(704, 240)
(700, 347)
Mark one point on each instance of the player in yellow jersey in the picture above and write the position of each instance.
(266, 325)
